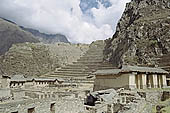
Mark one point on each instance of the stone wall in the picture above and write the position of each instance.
(70, 106)
(43, 106)
(153, 96)
(111, 81)
(5, 93)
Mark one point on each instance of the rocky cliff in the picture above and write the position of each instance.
(47, 38)
(10, 34)
(33, 59)
(142, 34)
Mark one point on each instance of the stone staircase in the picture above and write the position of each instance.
(91, 61)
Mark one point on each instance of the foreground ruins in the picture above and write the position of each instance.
(86, 86)
(128, 73)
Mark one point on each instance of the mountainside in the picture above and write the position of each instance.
(142, 35)
(26, 58)
(34, 59)
(10, 34)
(47, 38)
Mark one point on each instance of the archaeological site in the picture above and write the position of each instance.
(51, 72)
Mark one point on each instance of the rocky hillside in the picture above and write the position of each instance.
(10, 34)
(164, 62)
(33, 59)
(142, 34)
(47, 38)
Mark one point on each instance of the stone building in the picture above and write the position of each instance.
(4, 81)
(5, 92)
(44, 81)
(17, 81)
(130, 77)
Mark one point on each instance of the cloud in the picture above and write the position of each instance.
(64, 16)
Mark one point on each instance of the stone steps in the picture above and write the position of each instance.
(89, 65)
(78, 67)
(91, 61)
(91, 58)
(87, 62)
(76, 75)
(72, 69)
(71, 72)
(94, 53)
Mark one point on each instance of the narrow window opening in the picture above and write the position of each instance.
(31, 110)
(52, 108)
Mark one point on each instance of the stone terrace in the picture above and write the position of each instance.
(91, 61)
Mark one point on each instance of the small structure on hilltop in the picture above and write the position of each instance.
(130, 77)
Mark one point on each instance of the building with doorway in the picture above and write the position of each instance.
(130, 77)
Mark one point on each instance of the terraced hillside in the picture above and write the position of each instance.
(32, 59)
(91, 61)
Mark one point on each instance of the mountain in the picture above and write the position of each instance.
(142, 35)
(11, 34)
(47, 38)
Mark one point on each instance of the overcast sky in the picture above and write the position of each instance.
(66, 17)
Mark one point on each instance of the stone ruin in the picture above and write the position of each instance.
(39, 95)
(123, 101)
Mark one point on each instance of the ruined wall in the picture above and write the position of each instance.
(70, 106)
(5, 92)
(43, 106)
(111, 81)
(142, 34)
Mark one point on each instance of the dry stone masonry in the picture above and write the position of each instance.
(65, 73)
(88, 63)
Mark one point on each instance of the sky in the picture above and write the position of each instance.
(82, 21)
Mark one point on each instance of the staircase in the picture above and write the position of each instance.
(91, 61)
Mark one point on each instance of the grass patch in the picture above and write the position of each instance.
(166, 110)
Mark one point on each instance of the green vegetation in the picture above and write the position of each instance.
(165, 109)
